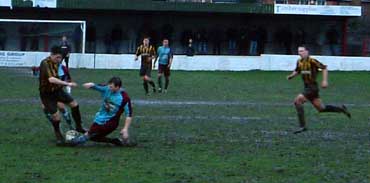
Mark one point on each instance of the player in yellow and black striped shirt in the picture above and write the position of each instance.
(309, 67)
(147, 53)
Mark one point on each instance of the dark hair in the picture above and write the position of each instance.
(165, 39)
(56, 50)
(303, 46)
(116, 81)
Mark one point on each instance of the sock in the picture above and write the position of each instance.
(48, 116)
(76, 115)
(167, 83)
(331, 108)
(80, 140)
(56, 127)
(145, 84)
(152, 84)
(300, 113)
(160, 82)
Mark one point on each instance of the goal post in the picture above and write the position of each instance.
(54, 29)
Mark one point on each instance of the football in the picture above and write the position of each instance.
(71, 134)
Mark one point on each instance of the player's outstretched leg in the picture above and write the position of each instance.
(299, 101)
(146, 86)
(330, 108)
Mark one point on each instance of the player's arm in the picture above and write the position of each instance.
(138, 53)
(156, 58)
(170, 59)
(128, 120)
(57, 81)
(324, 70)
(94, 87)
(294, 73)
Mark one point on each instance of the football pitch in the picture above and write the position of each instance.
(217, 127)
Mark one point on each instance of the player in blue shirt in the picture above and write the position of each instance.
(115, 102)
(164, 57)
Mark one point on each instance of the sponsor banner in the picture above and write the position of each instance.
(5, 2)
(45, 3)
(182, 62)
(324, 10)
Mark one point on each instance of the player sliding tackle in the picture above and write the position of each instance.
(308, 67)
(115, 102)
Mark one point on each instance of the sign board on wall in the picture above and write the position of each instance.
(324, 10)
(45, 3)
(6, 3)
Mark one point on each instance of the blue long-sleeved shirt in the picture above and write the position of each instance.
(113, 105)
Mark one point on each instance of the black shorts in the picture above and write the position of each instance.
(50, 100)
(311, 92)
(146, 70)
(164, 69)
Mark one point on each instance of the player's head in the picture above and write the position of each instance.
(56, 54)
(146, 41)
(114, 84)
(303, 51)
(64, 38)
(165, 42)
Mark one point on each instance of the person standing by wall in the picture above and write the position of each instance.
(35, 37)
(91, 38)
(66, 49)
(77, 38)
(23, 34)
(332, 37)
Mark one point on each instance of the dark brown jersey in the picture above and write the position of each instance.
(147, 53)
(308, 68)
(48, 69)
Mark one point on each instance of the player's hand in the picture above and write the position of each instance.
(88, 85)
(136, 59)
(72, 84)
(169, 66)
(289, 77)
(124, 134)
(324, 84)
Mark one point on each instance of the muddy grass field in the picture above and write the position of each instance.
(212, 127)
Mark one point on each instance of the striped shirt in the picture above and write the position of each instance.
(147, 54)
(308, 68)
(48, 69)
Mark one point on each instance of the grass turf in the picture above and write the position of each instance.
(240, 133)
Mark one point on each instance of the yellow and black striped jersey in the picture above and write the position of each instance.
(147, 53)
(308, 68)
(48, 69)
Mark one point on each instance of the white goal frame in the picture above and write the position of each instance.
(81, 22)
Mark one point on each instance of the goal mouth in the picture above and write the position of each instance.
(41, 35)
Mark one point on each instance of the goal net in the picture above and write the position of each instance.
(41, 35)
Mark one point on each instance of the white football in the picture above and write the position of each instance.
(71, 134)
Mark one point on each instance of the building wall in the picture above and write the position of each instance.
(131, 22)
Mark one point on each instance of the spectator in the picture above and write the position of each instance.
(190, 50)
(3, 38)
(153, 35)
(232, 37)
(116, 38)
(66, 50)
(23, 31)
(77, 38)
(35, 37)
(132, 36)
(216, 39)
(253, 43)
(185, 37)
(262, 39)
(91, 38)
(201, 41)
(332, 37)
